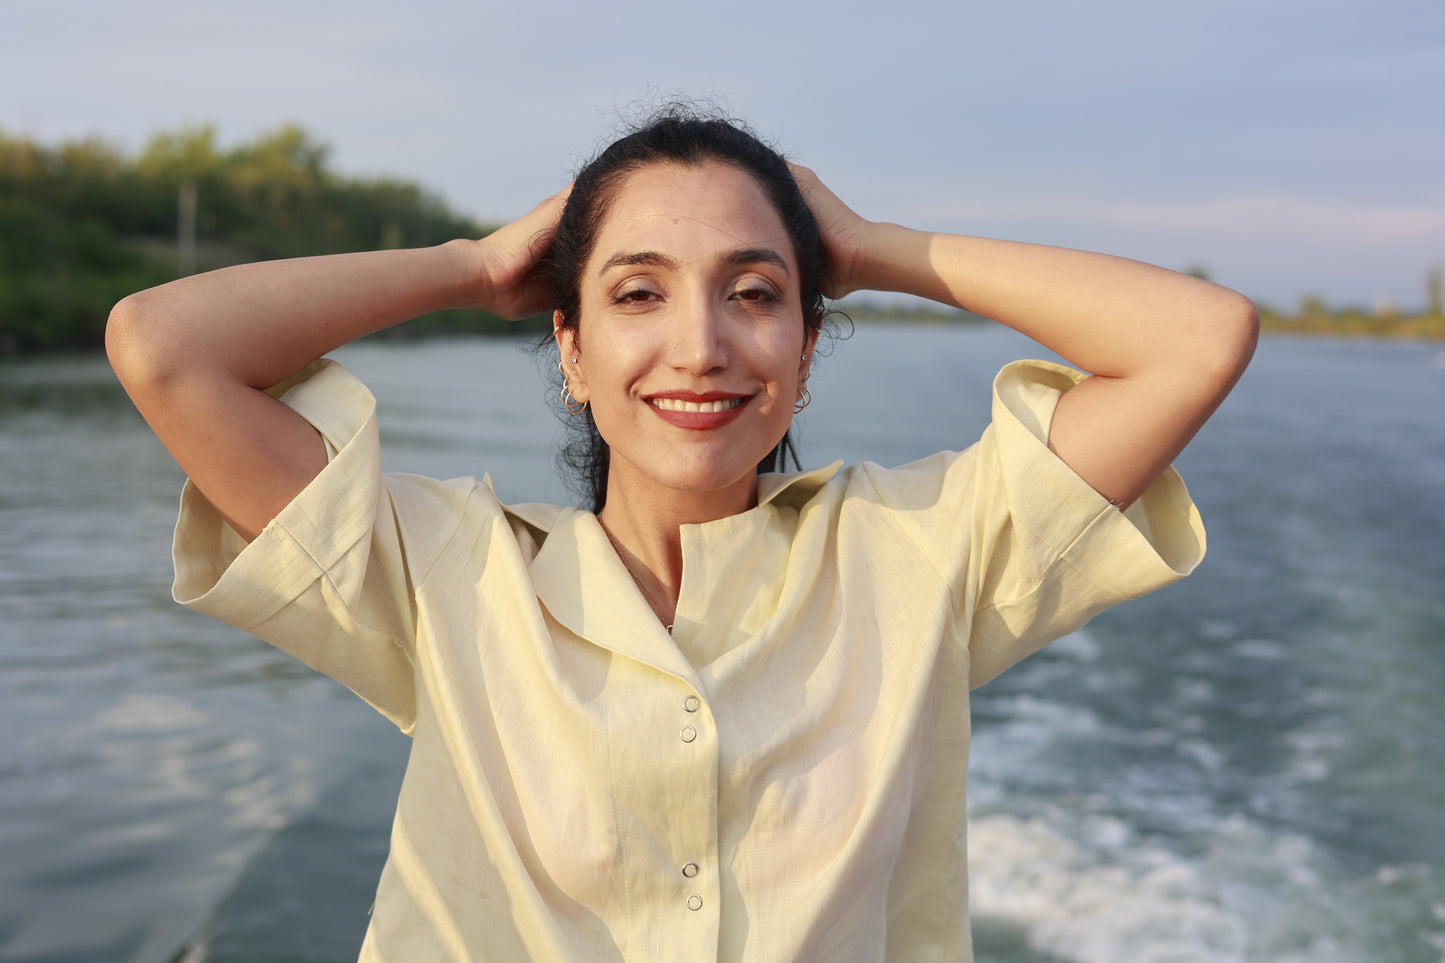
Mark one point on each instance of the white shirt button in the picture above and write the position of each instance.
(694, 902)
(691, 703)
(688, 734)
(689, 870)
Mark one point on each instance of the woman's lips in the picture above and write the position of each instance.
(698, 412)
(677, 404)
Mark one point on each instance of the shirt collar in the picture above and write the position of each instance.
(582, 584)
(580, 580)
(793, 488)
(788, 488)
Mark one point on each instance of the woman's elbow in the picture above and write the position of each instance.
(134, 346)
(1240, 327)
(1225, 337)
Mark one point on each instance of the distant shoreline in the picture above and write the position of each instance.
(1425, 326)
(1350, 324)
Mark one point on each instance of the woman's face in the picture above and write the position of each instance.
(690, 337)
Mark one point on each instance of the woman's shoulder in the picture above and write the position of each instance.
(442, 508)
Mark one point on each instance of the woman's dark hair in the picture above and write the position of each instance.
(678, 135)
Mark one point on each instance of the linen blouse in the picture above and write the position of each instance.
(781, 778)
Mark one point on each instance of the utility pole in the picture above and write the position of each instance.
(186, 230)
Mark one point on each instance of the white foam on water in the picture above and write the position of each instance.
(1077, 645)
(1090, 888)
(1042, 714)
(1076, 907)
(1158, 838)
(1218, 628)
(1313, 751)
(1261, 649)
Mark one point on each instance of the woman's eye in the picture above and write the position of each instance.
(753, 294)
(634, 296)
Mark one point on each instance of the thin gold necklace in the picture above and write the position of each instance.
(657, 606)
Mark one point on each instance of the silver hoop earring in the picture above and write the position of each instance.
(572, 405)
(806, 396)
(564, 394)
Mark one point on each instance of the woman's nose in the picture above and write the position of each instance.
(699, 342)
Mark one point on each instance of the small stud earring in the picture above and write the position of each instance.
(572, 405)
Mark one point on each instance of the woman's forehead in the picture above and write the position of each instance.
(683, 211)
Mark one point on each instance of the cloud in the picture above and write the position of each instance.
(1297, 137)
(1272, 245)
(1279, 216)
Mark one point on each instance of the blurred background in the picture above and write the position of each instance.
(1288, 148)
(1246, 767)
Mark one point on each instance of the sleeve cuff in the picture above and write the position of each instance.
(1157, 540)
(218, 574)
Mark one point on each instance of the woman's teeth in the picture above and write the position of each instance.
(674, 404)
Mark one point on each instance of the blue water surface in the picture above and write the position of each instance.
(1248, 766)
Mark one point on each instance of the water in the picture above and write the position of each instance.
(1248, 766)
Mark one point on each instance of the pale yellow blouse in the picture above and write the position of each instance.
(782, 778)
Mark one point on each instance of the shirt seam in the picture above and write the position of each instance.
(1057, 557)
(953, 626)
(325, 576)
(421, 582)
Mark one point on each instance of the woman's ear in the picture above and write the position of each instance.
(560, 334)
(805, 364)
(570, 357)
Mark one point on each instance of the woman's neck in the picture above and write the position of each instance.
(646, 532)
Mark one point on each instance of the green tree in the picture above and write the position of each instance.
(83, 224)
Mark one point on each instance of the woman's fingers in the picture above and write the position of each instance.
(514, 287)
(842, 232)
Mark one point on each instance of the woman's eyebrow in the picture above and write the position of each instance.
(742, 257)
(634, 258)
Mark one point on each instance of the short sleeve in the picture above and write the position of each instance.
(1029, 550)
(331, 579)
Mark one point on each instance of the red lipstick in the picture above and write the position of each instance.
(698, 411)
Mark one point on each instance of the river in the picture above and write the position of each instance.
(1248, 766)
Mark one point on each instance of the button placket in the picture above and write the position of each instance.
(691, 703)
(696, 883)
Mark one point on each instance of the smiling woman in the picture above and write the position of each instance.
(724, 713)
(693, 355)
(715, 320)
(733, 161)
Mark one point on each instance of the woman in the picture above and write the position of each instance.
(724, 715)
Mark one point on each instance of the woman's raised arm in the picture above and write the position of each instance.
(197, 355)
(1163, 349)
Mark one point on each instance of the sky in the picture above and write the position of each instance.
(1288, 147)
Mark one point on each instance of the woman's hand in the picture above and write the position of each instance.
(196, 355)
(510, 282)
(844, 234)
(1163, 348)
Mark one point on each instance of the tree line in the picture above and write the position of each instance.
(83, 224)
(1383, 320)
